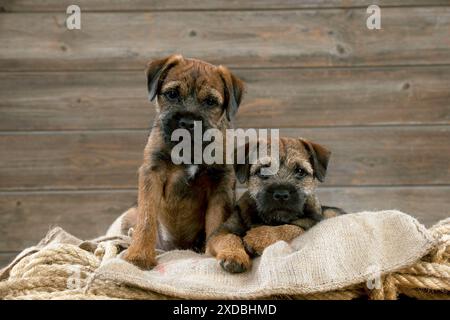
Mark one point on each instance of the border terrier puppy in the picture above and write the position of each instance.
(180, 205)
(276, 207)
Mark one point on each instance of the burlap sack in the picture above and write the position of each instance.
(335, 254)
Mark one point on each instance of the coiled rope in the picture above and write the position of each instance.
(48, 274)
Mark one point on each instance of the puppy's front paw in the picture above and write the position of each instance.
(259, 238)
(143, 261)
(234, 261)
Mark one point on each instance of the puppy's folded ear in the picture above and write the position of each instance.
(319, 156)
(242, 170)
(156, 71)
(234, 89)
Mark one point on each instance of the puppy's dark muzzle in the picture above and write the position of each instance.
(280, 203)
(183, 120)
(282, 194)
(187, 123)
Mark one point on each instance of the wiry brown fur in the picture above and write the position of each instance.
(253, 226)
(176, 209)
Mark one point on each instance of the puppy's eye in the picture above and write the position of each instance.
(300, 173)
(211, 101)
(172, 94)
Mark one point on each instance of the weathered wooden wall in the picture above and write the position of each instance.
(74, 113)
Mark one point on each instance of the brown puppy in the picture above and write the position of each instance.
(180, 205)
(276, 207)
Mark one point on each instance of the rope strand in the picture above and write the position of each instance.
(66, 271)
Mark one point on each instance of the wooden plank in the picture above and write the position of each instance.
(285, 98)
(26, 217)
(292, 38)
(427, 204)
(74, 100)
(71, 160)
(110, 159)
(107, 5)
(6, 258)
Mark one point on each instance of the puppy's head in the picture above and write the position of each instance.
(189, 90)
(280, 197)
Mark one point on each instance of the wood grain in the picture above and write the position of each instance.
(26, 217)
(110, 159)
(285, 98)
(139, 5)
(291, 38)
(428, 204)
(71, 160)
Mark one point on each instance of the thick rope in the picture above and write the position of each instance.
(68, 272)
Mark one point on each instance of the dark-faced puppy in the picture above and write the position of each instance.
(279, 205)
(179, 205)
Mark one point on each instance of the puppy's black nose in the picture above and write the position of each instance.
(281, 195)
(186, 123)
